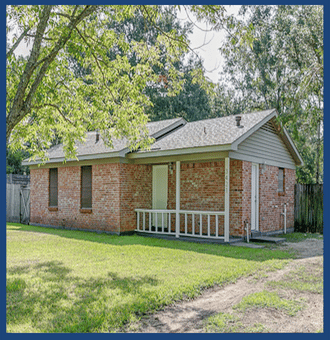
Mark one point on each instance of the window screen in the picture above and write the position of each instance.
(53, 180)
(280, 180)
(86, 187)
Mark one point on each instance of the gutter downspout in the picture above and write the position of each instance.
(284, 214)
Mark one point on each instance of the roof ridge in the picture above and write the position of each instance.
(246, 113)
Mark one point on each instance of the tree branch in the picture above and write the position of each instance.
(43, 38)
(21, 108)
(164, 33)
(21, 37)
(97, 63)
(15, 114)
(58, 110)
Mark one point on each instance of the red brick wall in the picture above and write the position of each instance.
(235, 198)
(271, 202)
(118, 189)
(203, 188)
(135, 192)
(39, 195)
(105, 198)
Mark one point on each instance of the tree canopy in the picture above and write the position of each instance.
(46, 99)
(280, 67)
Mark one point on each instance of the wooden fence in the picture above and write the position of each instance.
(17, 203)
(308, 208)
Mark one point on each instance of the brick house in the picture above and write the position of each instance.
(202, 179)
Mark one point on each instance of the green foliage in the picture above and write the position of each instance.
(267, 299)
(222, 323)
(192, 102)
(86, 282)
(231, 323)
(298, 237)
(274, 59)
(45, 97)
(14, 162)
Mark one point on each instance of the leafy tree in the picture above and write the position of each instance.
(281, 67)
(14, 162)
(192, 102)
(45, 99)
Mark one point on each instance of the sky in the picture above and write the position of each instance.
(211, 42)
(209, 52)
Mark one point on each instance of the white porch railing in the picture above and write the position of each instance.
(194, 223)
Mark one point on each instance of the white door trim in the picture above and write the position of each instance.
(157, 192)
(255, 197)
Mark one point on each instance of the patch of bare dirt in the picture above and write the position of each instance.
(190, 316)
(307, 248)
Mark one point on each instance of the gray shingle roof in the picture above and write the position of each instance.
(216, 131)
(209, 132)
(90, 147)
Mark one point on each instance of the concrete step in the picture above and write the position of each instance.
(269, 239)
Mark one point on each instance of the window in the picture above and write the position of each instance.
(86, 187)
(281, 180)
(53, 192)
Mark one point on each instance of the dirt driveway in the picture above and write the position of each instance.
(290, 284)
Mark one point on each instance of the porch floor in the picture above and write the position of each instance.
(190, 239)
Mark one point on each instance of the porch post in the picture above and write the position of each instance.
(227, 179)
(177, 199)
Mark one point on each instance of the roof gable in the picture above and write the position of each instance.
(267, 145)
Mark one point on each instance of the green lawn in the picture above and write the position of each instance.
(298, 237)
(73, 281)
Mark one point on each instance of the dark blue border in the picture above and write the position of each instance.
(326, 185)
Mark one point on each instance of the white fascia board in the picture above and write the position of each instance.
(259, 160)
(175, 152)
(253, 129)
(80, 158)
(168, 128)
(294, 149)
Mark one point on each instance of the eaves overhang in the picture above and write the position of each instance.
(175, 152)
(114, 154)
(79, 158)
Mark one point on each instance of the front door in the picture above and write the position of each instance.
(255, 197)
(159, 192)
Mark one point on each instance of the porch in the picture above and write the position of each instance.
(183, 223)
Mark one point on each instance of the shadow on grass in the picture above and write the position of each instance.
(51, 270)
(243, 253)
(56, 301)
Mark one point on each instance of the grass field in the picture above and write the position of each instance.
(73, 281)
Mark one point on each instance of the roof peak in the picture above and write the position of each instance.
(268, 111)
